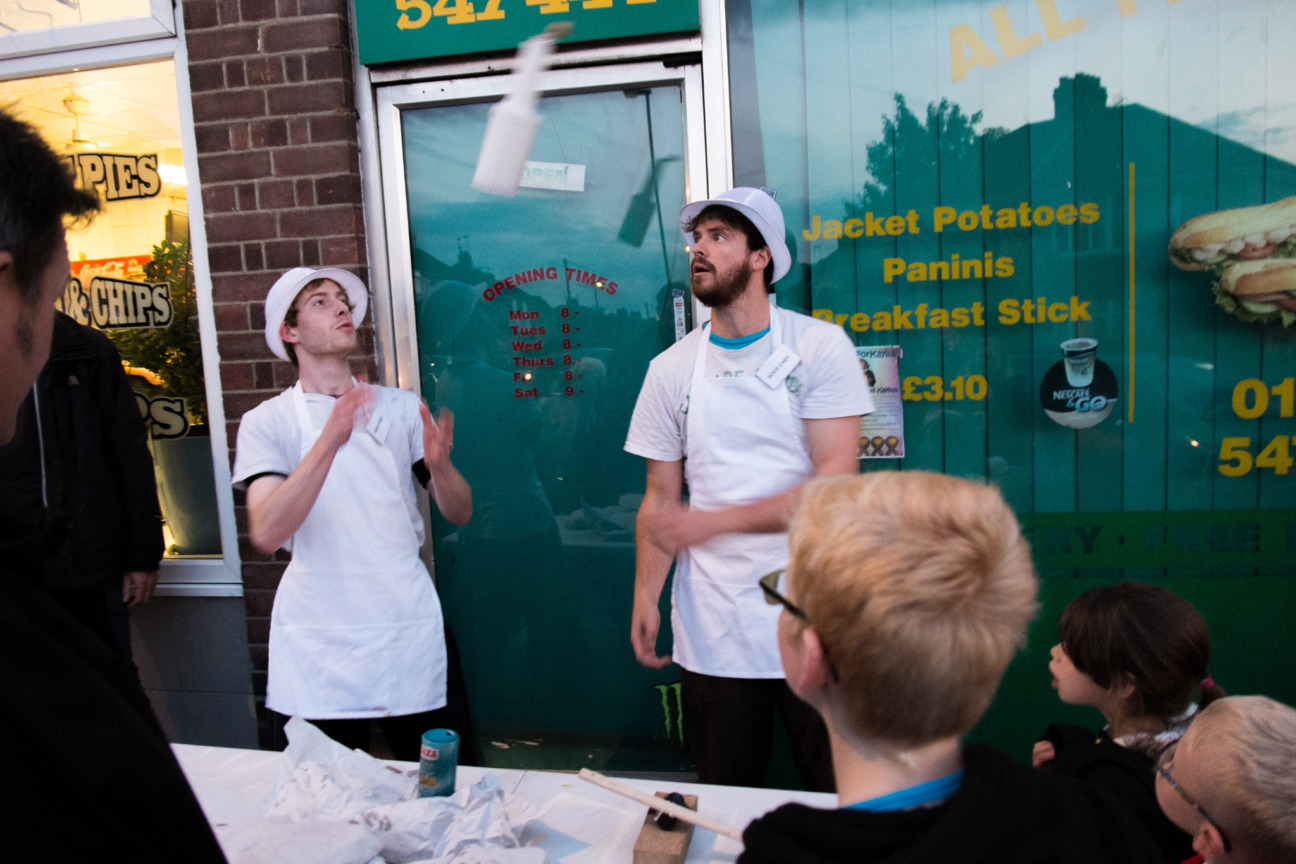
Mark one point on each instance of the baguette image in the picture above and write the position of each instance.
(1260, 290)
(1225, 237)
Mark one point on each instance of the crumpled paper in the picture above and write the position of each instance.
(275, 843)
(332, 784)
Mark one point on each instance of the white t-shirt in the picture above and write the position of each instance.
(269, 439)
(828, 382)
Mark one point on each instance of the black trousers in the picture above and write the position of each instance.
(729, 729)
(404, 733)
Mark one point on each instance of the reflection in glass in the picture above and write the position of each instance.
(537, 317)
(18, 17)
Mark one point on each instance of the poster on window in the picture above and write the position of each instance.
(882, 432)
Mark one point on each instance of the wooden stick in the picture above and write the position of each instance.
(654, 803)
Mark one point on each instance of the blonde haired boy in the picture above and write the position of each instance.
(906, 597)
(1237, 763)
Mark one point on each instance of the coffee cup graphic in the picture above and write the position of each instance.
(1079, 391)
(1079, 355)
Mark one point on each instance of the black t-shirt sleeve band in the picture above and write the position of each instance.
(255, 477)
(421, 472)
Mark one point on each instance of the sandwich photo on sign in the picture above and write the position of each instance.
(1251, 251)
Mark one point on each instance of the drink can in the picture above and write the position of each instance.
(438, 761)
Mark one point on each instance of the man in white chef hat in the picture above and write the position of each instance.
(330, 467)
(745, 410)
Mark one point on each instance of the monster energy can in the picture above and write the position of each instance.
(438, 760)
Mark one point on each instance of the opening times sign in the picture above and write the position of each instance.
(394, 30)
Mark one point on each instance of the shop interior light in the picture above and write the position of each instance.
(77, 106)
(173, 174)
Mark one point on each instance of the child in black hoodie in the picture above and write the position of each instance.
(905, 599)
(1139, 654)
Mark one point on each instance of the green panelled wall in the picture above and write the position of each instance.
(858, 113)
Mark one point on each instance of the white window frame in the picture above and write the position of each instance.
(160, 22)
(393, 100)
(199, 576)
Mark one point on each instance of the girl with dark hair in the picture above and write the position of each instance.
(1139, 654)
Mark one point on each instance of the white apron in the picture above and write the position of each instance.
(743, 446)
(356, 627)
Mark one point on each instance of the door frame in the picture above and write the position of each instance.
(396, 326)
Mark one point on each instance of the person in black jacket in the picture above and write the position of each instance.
(1139, 654)
(906, 597)
(88, 774)
(81, 452)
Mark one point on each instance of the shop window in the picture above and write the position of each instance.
(1134, 400)
(118, 130)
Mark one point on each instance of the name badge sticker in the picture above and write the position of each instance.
(778, 366)
(379, 426)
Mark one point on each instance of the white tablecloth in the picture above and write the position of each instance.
(578, 823)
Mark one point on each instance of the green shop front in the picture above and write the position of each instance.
(981, 194)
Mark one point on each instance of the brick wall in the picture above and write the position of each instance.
(274, 116)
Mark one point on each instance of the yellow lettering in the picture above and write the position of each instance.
(597, 4)
(859, 322)
(1058, 312)
(892, 267)
(969, 220)
(492, 12)
(841, 318)
(962, 39)
(407, 23)
(822, 314)
(853, 228)
(881, 320)
(917, 272)
(1066, 214)
(1006, 218)
(895, 225)
(1008, 41)
(832, 229)
(1004, 267)
(1054, 27)
(460, 13)
(938, 318)
(942, 216)
(1009, 311)
(1043, 215)
(1088, 213)
(812, 233)
(1130, 7)
(960, 317)
(549, 7)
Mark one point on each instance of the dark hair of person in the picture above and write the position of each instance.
(1145, 635)
(37, 193)
(734, 219)
(290, 317)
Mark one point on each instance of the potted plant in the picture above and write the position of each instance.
(173, 354)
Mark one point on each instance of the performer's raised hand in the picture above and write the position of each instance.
(438, 435)
(351, 412)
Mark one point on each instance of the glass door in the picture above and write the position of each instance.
(533, 319)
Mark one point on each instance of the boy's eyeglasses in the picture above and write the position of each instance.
(770, 584)
(1163, 764)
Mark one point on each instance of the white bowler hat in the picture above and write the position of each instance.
(758, 206)
(285, 291)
